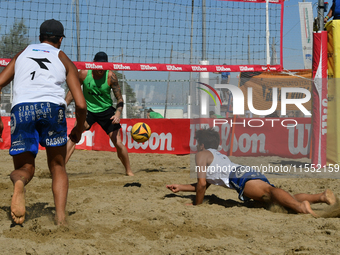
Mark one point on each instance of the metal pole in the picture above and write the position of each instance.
(267, 32)
(167, 87)
(190, 78)
(78, 30)
(248, 50)
(204, 76)
(204, 56)
(321, 13)
(124, 92)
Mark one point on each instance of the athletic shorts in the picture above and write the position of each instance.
(37, 123)
(103, 119)
(241, 175)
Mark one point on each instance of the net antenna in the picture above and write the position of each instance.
(267, 33)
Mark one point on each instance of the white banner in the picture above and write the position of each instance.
(306, 21)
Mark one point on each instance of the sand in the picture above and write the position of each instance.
(110, 213)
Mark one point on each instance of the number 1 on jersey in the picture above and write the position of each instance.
(33, 73)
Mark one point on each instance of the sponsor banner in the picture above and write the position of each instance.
(169, 136)
(319, 95)
(252, 137)
(166, 67)
(264, 85)
(306, 21)
(4, 61)
(284, 137)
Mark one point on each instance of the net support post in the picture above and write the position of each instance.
(217, 106)
(189, 106)
(124, 108)
(319, 151)
(204, 78)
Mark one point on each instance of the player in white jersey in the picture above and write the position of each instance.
(213, 167)
(38, 115)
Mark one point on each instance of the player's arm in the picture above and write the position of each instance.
(330, 14)
(68, 98)
(1, 129)
(201, 159)
(82, 75)
(182, 187)
(118, 95)
(73, 83)
(6, 76)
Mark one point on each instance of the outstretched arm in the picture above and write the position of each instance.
(198, 187)
(118, 94)
(182, 187)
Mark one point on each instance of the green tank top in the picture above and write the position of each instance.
(97, 93)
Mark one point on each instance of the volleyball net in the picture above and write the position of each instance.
(149, 31)
(154, 46)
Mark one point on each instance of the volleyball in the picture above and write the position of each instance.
(140, 132)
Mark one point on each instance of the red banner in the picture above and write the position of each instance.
(259, 137)
(168, 136)
(252, 137)
(166, 67)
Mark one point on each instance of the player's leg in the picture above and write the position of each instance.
(121, 151)
(262, 191)
(24, 148)
(24, 166)
(53, 136)
(56, 164)
(327, 197)
(71, 146)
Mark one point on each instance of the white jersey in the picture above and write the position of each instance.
(219, 170)
(39, 75)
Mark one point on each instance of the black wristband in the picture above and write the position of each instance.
(120, 104)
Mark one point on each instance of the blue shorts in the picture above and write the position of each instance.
(241, 175)
(34, 123)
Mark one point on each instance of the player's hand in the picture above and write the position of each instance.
(75, 135)
(173, 187)
(115, 118)
(1, 129)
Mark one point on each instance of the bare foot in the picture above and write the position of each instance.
(129, 173)
(18, 203)
(328, 197)
(61, 221)
(305, 207)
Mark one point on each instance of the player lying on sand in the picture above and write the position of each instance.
(247, 182)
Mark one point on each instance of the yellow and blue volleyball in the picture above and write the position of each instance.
(141, 132)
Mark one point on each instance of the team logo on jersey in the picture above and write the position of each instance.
(41, 61)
